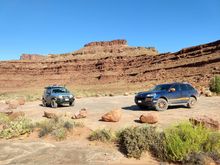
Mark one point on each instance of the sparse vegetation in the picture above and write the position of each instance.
(215, 84)
(57, 127)
(14, 128)
(103, 135)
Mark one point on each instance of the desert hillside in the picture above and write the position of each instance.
(113, 62)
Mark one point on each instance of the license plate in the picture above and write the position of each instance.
(66, 99)
(139, 101)
(148, 99)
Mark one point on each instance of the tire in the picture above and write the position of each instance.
(71, 103)
(161, 105)
(192, 102)
(44, 103)
(53, 104)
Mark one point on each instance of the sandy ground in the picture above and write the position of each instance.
(26, 151)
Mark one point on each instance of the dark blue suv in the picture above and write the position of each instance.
(164, 95)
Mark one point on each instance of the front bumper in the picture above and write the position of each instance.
(148, 101)
(65, 100)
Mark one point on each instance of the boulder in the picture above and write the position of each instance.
(50, 115)
(206, 122)
(6, 111)
(150, 118)
(112, 116)
(111, 94)
(82, 114)
(16, 115)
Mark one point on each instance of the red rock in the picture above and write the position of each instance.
(82, 114)
(21, 101)
(106, 43)
(13, 104)
(16, 115)
(150, 118)
(112, 116)
(206, 122)
(50, 115)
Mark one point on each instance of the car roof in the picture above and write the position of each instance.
(175, 83)
(54, 86)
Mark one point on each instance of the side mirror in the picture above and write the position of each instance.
(172, 90)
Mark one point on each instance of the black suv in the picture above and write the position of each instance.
(164, 95)
(57, 95)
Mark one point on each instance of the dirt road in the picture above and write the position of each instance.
(98, 106)
(84, 152)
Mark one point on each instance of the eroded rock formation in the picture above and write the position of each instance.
(196, 65)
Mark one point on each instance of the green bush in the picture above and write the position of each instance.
(4, 119)
(184, 139)
(215, 84)
(103, 135)
(56, 127)
(135, 140)
(16, 128)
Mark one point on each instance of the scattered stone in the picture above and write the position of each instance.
(206, 122)
(6, 111)
(111, 94)
(200, 159)
(7, 101)
(50, 115)
(82, 114)
(21, 100)
(150, 118)
(16, 115)
(208, 93)
(126, 94)
(13, 104)
(112, 116)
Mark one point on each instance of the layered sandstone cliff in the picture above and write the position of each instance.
(195, 64)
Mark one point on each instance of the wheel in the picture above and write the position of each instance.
(161, 105)
(44, 102)
(71, 103)
(54, 104)
(192, 102)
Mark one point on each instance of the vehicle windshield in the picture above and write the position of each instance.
(60, 90)
(163, 87)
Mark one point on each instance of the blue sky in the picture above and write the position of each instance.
(59, 26)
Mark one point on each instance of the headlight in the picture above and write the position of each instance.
(151, 95)
(60, 97)
(71, 96)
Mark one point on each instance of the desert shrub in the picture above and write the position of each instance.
(60, 133)
(215, 84)
(4, 118)
(15, 128)
(56, 127)
(184, 139)
(103, 135)
(212, 144)
(78, 124)
(135, 140)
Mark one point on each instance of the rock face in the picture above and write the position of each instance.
(115, 64)
(149, 118)
(31, 57)
(107, 43)
(205, 121)
(112, 116)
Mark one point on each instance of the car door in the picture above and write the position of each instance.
(174, 97)
(48, 96)
(185, 93)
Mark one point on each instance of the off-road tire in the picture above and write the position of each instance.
(192, 102)
(71, 103)
(161, 105)
(44, 103)
(53, 104)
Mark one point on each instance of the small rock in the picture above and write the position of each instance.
(111, 94)
(13, 104)
(82, 114)
(21, 101)
(206, 122)
(112, 116)
(50, 115)
(126, 94)
(208, 93)
(150, 118)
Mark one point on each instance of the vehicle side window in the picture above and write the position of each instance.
(190, 87)
(184, 87)
(176, 86)
(48, 92)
